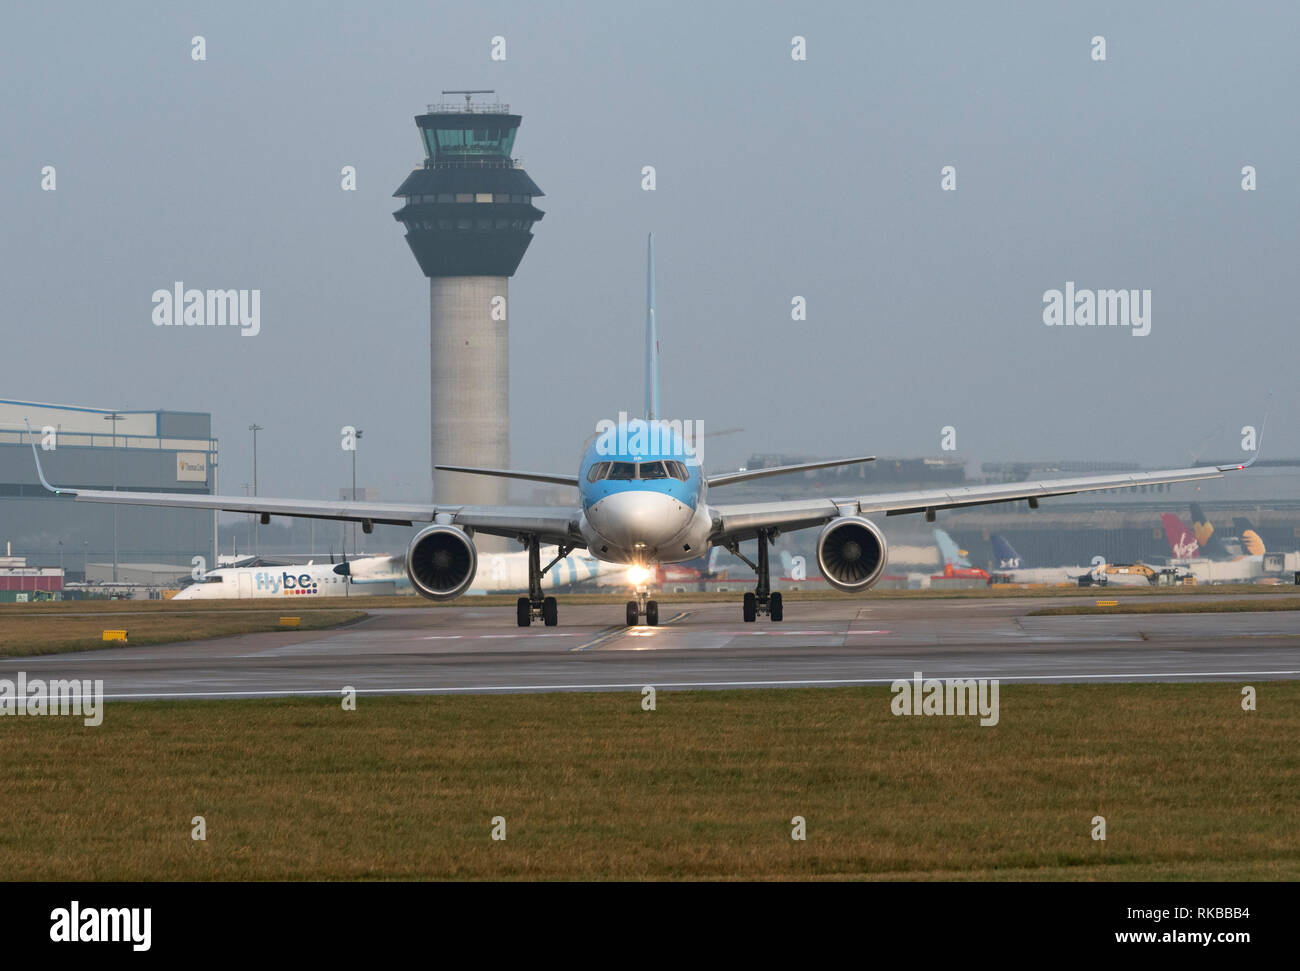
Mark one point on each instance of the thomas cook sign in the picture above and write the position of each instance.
(191, 467)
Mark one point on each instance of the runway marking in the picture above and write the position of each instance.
(638, 685)
(483, 637)
(821, 632)
(608, 634)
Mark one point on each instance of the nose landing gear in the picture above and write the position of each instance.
(762, 600)
(642, 606)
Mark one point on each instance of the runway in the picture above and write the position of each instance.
(476, 649)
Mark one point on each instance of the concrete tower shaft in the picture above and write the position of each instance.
(469, 366)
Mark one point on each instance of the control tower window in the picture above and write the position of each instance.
(454, 142)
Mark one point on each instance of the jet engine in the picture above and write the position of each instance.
(851, 552)
(441, 562)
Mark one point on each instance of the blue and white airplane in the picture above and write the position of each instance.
(642, 500)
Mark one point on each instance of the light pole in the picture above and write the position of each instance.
(114, 417)
(85, 555)
(248, 536)
(255, 428)
(212, 464)
(354, 485)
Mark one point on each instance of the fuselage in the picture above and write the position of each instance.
(643, 498)
(246, 582)
(498, 572)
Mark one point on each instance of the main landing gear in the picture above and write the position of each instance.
(643, 606)
(762, 600)
(535, 606)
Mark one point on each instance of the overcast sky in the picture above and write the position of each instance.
(776, 178)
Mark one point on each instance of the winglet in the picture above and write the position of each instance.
(1259, 442)
(40, 472)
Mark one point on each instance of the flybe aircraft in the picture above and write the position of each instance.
(259, 582)
(498, 572)
(644, 499)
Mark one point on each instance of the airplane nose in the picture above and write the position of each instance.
(649, 518)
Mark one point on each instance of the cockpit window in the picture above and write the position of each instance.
(627, 471)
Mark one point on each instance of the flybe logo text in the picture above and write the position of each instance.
(285, 582)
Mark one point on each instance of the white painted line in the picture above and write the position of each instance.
(638, 685)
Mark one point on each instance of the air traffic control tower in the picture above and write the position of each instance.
(469, 215)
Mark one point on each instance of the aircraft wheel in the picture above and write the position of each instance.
(775, 610)
(523, 612)
(652, 613)
(633, 615)
(550, 612)
(750, 608)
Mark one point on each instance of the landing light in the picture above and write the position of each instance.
(637, 575)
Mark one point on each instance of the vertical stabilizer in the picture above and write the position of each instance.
(1182, 540)
(651, 336)
(1005, 554)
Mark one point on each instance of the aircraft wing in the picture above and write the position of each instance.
(743, 520)
(551, 524)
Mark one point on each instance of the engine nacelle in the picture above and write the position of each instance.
(441, 562)
(851, 552)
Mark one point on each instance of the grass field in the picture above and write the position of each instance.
(45, 632)
(593, 787)
(1213, 606)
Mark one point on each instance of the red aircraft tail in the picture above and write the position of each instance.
(1181, 539)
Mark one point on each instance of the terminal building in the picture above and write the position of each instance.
(97, 448)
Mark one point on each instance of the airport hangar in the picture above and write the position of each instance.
(139, 451)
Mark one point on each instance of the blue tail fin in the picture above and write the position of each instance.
(1005, 554)
(951, 553)
(651, 337)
